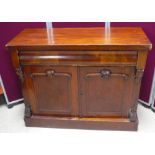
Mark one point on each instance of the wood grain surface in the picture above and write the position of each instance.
(60, 37)
(81, 77)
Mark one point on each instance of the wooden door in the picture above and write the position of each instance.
(51, 90)
(106, 91)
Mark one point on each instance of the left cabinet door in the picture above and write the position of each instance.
(51, 90)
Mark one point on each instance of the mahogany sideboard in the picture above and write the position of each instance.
(81, 77)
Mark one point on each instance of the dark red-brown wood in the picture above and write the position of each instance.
(81, 77)
(128, 37)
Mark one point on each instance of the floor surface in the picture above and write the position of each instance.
(11, 120)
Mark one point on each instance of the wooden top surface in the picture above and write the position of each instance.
(96, 36)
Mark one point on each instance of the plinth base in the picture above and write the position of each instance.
(82, 123)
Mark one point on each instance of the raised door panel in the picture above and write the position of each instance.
(52, 89)
(106, 91)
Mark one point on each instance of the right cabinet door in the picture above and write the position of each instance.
(106, 91)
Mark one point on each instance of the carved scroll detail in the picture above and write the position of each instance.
(50, 73)
(133, 113)
(20, 74)
(28, 111)
(106, 74)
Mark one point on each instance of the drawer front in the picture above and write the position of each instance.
(79, 57)
(106, 91)
(51, 90)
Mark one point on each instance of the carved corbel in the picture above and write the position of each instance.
(20, 74)
(139, 75)
(28, 111)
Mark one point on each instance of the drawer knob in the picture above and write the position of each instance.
(105, 73)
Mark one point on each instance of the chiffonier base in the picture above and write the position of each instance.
(82, 123)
